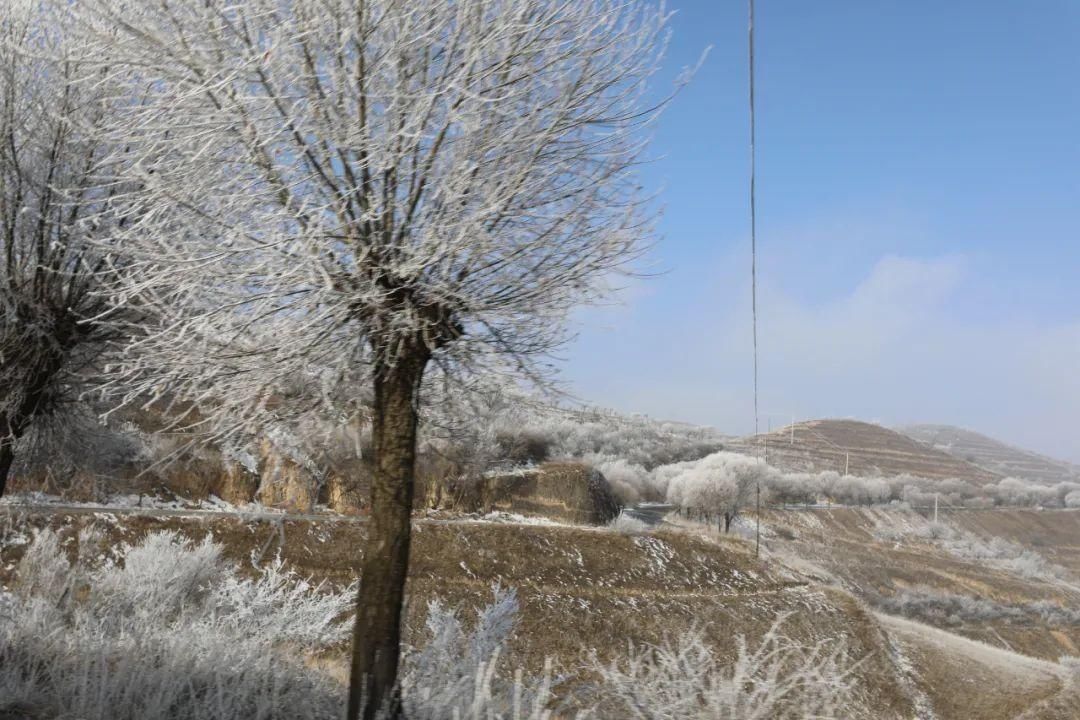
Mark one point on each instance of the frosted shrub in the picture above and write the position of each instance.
(944, 607)
(888, 534)
(935, 531)
(627, 525)
(1072, 500)
(175, 632)
(794, 488)
(456, 674)
(683, 679)
(1070, 664)
(44, 571)
(161, 576)
(948, 608)
(171, 634)
(1014, 491)
(630, 481)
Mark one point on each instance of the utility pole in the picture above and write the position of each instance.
(935, 508)
(792, 430)
(767, 432)
(757, 532)
(847, 462)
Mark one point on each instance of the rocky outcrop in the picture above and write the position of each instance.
(345, 493)
(236, 484)
(284, 482)
(566, 491)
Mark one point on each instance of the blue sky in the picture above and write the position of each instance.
(918, 223)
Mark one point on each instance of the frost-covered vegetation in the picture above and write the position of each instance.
(943, 607)
(170, 629)
(627, 525)
(994, 552)
(725, 480)
(684, 678)
(498, 427)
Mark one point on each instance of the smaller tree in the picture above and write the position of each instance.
(720, 484)
(52, 202)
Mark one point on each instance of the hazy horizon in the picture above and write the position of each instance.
(917, 225)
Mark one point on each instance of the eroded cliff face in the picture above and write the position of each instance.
(566, 491)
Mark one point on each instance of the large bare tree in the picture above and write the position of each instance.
(54, 206)
(360, 188)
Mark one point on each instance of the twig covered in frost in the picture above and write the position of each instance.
(683, 678)
(171, 633)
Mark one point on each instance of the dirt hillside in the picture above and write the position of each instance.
(993, 455)
(858, 447)
(1016, 568)
(581, 589)
(585, 590)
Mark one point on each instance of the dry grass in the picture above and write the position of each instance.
(584, 590)
(864, 448)
(846, 544)
(581, 590)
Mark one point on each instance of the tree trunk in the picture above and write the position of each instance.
(373, 685)
(728, 517)
(7, 457)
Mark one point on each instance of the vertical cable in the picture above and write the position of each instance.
(753, 268)
(753, 215)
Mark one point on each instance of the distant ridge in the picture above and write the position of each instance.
(993, 455)
(862, 448)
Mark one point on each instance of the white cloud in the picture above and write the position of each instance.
(898, 345)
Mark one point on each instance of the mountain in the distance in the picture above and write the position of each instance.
(993, 455)
(858, 448)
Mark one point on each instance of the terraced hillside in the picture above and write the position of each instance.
(993, 455)
(980, 606)
(858, 448)
(581, 590)
(1008, 578)
(584, 590)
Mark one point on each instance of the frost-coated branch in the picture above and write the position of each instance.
(326, 186)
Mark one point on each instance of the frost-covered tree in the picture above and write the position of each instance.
(361, 188)
(720, 484)
(54, 204)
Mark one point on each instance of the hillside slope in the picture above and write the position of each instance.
(1008, 573)
(590, 590)
(993, 455)
(581, 590)
(858, 448)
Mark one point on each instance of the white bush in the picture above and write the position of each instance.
(455, 675)
(720, 484)
(627, 525)
(172, 633)
(1014, 491)
(684, 679)
(943, 607)
(630, 482)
